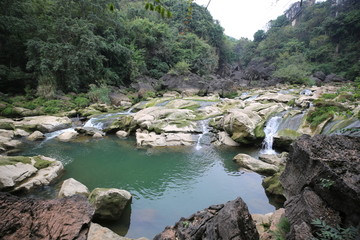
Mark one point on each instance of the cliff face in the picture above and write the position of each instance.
(322, 181)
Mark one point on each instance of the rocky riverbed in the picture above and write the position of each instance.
(315, 165)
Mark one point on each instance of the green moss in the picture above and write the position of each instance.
(7, 160)
(41, 163)
(192, 107)
(329, 95)
(289, 133)
(324, 112)
(291, 103)
(7, 126)
(259, 130)
(181, 123)
(272, 185)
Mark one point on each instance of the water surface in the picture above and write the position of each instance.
(166, 183)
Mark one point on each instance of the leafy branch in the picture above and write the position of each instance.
(327, 232)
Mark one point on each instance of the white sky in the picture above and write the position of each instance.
(242, 18)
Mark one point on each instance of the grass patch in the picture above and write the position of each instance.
(6, 160)
(324, 111)
(41, 163)
(283, 227)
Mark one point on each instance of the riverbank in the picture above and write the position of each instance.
(195, 124)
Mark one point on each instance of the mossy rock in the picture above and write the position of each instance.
(259, 130)
(41, 163)
(7, 126)
(273, 186)
(123, 123)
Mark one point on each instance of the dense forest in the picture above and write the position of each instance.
(72, 46)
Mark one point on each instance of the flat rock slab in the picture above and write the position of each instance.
(27, 218)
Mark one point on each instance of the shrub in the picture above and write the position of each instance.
(180, 68)
(81, 102)
(327, 232)
(99, 94)
(283, 227)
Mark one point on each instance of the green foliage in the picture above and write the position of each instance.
(7, 160)
(326, 183)
(157, 6)
(326, 232)
(329, 95)
(283, 227)
(324, 111)
(180, 68)
(99, 94)
(81, 102)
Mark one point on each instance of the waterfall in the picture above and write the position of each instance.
(271, 128)
(98, 121)
(204, 130)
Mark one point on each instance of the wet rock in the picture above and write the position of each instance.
(322, 180)
(27, 218)
(225, 221)
(36, 136)
(21, 133)
(109, 202)
(255, 165)
(122, 134)
(67, 136)
(275, 159)
(89, 131)
(225, 139)
(71, 187)
(97, 135)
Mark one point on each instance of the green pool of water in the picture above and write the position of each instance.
(166, 183)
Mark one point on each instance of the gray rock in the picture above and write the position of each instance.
(321, 180)
(122, 134)
(10, 175)
(71, 187)
(36, 136)
(225, 221)
(255, 165)
(165, 139)
(67, 136)
(109, 202)
(98, 232)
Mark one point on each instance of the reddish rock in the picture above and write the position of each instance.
(27, 218)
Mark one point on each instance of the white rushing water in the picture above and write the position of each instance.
(271, 128)
(205, 130)
(97, 122)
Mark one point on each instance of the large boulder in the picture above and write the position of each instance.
(225, 221)
(67, 136)
(28, 218)
(41, 123)
(152, 139)
(253, 164)
(240, 125)
(322, 180)
(71, 187)
(109, 202)
(36, 136)
(24, 173)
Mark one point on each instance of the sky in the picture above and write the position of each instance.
(242, 18)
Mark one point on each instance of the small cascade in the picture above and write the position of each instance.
(306, 92)
(205, 130)
(271, 128)
(52, 135)
(251, 98)
(98, 121)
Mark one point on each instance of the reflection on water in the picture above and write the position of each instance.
(166, 183)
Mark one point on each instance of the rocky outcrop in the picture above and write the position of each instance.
(253, 164)
(267, 224)
(27, 218)
(322, 181)
(152, 139)
(109, 202)
(71, 187)
(41, 123)
(225, 221)
(19, 173)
